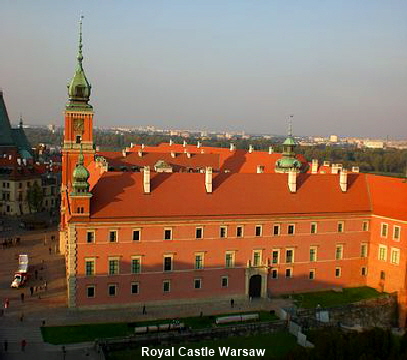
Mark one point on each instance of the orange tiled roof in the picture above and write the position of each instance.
(120, 194)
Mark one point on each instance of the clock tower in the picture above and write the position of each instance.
(78, 122)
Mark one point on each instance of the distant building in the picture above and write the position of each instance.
(333, 138)
(374, 144)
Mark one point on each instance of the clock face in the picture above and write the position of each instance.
(78, 124)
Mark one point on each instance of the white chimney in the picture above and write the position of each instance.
(208, 179)
(343, 180)
(25, 161)
(202, 151)
(260, 169)
(232, 147)
(251, 148)
(142, 146)
(173, 155)
(292, 180)
(124, 152)
(271, 150)
(146, 179)
(188, 155)
(171, 142)
(199, 144)
(140, 153)
(334, 169)
(184, 144)
(131, 145)
(19, 161)
(355, 169)
(314, 166)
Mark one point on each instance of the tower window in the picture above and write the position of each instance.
(78, 139)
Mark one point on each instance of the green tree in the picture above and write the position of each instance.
(35, 197)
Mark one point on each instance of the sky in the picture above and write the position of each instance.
(339, 66)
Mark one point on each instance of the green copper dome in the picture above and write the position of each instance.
(80, 175)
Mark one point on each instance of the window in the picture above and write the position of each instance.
(338, 271)
(89, 266)
(383, 231)
(365, 226)
(112, 289)
(78, 139)
(135, 287)
(363, 271)
(383, 252)
(224, 281)
(396, 232)
(136, 265)
(291, 229)
(395, 256)
(90, 237)
(136, 234)
(289, 256)
(90, 291)
(167, 263)
(197, 283)
(230, 259)
(363, 250)
(311, 274)
(276, 230)
(274, 273)
(313, 253)
(313, 228)
(113, 236)
(340, 226)
(166, 286)
(223, 231)
(199, 261)
(113, 266)
(258, 230)
(199, 233)
(275, 256)
(339, 252)
(167, 234)
(382, 275)
(239, 231)
(289, 273)
(257, 258)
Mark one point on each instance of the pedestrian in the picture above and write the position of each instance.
(232, 303)
(36, 274)
(144, 310)
(36, 289)
(6, 303)
(31, 290)
(50, 251)
(22, 297)
(45, 285)
(5, 345)
(23, 344)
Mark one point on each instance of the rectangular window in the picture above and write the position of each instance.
(313, 253)
(382, 275)
(338, 272)
(395, 256)
(113, 236)
(166, 286)
(383, 252)
(339, 252)
(363, 271)
(136, 265)
(275, 256)
(291, 229)
(313, 228)
(112, 289)
(134, 289)
(230, 259)
(257, 258)
(396, 232)
(224, 281)
(365, 226)
(113, 266)
(340, 227)
(223, 231)
(199, 233)
(289, 256)
(167, 263)
(239, 231)
(90, 291)
(90, 237)
(258, 230)
(197, 283)
(199, 261)
(136, 235)
(276, 230)
(89, 266)
(167, 234)
(363, 250)
(383, 231)
(311, 274)
(289, 273)
(274, 273)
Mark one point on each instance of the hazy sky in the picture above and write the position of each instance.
(339, 66)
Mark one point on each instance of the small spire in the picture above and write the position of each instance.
(290, 125)
(80, 56)
(21, 121)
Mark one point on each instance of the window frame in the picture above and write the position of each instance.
(135, 283)
(90, 260)
(278, 227)
(116, 240)
(201, 230)
(166, 229)
(258, 230)
(274, 271)
(365, 225)
(338, 255)
(396, 227)
(88, 287)
(290, 275)
(201, 262)
(278, 256)
(384, 230)
(382, 252)
(393, 251)
(291, 226)
(197, 280)
(230, 265)
(223, 231)
(311, 274)
(314, 227)
(93, 233)
(241, 228)
(135, 258)
(109, 286)
(315, 249)
(116, 260)
(364, 250)
(255, 257)
(340, 226)
(136, 230)
(222, 279)
(338, 272)
(168, 256)
(166, 286)
(292, 256)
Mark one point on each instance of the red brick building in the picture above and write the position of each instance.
(179, 223)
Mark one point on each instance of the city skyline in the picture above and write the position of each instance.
(214, 65)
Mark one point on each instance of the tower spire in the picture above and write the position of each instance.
(80, 56)
(20, 125)
(290, 125)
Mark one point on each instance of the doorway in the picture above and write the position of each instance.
(255, 286)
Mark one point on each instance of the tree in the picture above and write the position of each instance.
(34, 197)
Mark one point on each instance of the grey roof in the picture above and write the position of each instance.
(6, 138)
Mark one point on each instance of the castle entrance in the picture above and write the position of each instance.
(255, 286)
